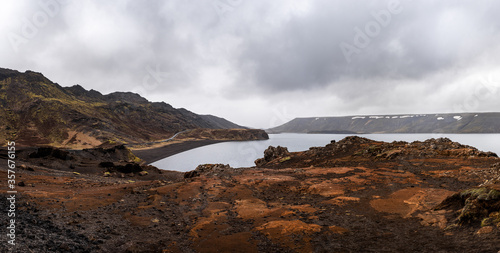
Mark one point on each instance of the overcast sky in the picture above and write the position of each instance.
(261, 63)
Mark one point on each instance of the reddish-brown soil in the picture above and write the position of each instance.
(356, 195)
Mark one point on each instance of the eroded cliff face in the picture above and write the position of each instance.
(354, 195)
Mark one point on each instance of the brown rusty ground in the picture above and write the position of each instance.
(352, 196)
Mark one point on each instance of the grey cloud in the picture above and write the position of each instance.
(264, 49)
(304, 52)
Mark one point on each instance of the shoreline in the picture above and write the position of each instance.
(155, 154)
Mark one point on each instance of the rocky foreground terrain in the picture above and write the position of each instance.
(354, 195)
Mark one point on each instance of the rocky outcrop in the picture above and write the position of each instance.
(208, 169)
(272, 153)
(114, 161)
(128, 168)
(51, 152)
(360, 147)
(476, 206)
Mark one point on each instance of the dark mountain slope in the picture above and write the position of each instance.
(34, 111)
(412, 123)
(220, 122)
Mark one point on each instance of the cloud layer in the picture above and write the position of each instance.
(260, 63)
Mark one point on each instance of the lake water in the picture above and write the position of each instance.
(244, 153)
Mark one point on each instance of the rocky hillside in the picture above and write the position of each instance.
(36, 111)
(411, 123)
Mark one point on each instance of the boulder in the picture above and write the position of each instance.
(207, 169)
(272, 153)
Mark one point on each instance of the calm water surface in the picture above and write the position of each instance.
(244, 153)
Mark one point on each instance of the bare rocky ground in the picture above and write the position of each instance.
(355, 195)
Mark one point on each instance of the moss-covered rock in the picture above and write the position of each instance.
(476, 205)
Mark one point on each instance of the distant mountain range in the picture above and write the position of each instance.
(34, 111)
(403, 123)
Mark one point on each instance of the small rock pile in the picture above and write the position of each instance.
(446, 147)
(347, 143)
(207, 169)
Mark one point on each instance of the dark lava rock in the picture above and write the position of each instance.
(272, 153)
(491, 154)
(37, 234)
(351, 140)
(191, 174)
(44, 152)
(211, 169)
(128, 168)
(106, 164)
